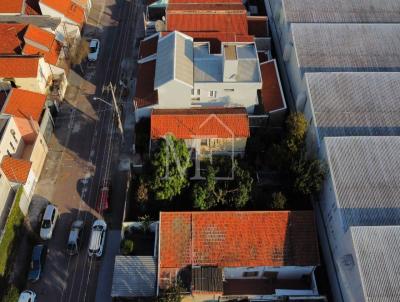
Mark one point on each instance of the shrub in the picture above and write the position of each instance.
(127, 246)
(11, 233)
(278, 201)
(12, 295)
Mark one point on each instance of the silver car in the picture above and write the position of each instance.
(97, 238)
(49, 222)
(74, 237)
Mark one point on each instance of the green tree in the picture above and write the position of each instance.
(145, 223)
(127, 246)
(278, 201)
(12, 294)
(204, 191)
(169, 168)
(141, 192)
(174, 293)
(308, 175)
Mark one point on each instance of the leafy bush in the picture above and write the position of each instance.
(12, 295)
(11, 233)
(278, 201)
(127, 246)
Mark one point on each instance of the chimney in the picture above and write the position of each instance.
(230, 63)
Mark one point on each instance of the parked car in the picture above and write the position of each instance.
(103, 200)
(37, 263)
(97, 238)
(48, 222)
(27, 296)
(74, 237)
(94, 48)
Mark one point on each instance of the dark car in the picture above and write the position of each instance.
(38, 259)
(103, 200)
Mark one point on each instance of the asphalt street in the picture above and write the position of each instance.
(85, 150)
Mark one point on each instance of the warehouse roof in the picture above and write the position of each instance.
(355, 103)
(376, 250)
(347, 47)
(341, 11)
(365, 172)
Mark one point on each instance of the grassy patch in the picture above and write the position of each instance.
(12, 295)
(11, 233)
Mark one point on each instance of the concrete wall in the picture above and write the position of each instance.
(5, 191)
(284, 272)
(38, 155)
(8, 139)
(174, 94)
(222, 145)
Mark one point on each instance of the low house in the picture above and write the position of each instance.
(186, 74)
(360, 189)
(32, 73)
(239, 255)
(206, 131)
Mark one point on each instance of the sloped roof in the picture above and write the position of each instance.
(200, 122)
(355, 103)
(145, 94)
(376, 249)
(347, 47)
(19, 66)
(25, 104)
(50, 56)
(11, 36)
(342, 11)
(271, 91)
(11, 6)
(16, 170)
(134, 276)
(38, 35)
(68, 8)
(174, 59)
(148, 47)
(257, 26)
(237, 239)
(207, 17)
(365, 172)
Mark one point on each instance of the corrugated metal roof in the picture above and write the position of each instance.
(377, 252)
(342, 11)
(354, 104)
(347, 47)
(366, 176)
(174, 59)
(134, 276)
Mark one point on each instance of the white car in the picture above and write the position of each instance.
(48, 222)
(27, 296)
(97, 238)
(94, 48)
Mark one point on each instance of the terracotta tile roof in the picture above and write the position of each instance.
(11, 6)
(19, 66)
(50, 57)
(32, 7)
(27, 128)
(148, 47)
(68, 8)
(257, 26)
(210, 17)
(25, 104)
(16, 170)
(271, 90)
(11, 38)
(38, 35)
(200, 122)
(145, 93)
(215, 38)
(237, 239)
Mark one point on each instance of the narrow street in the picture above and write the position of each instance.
(85, 150)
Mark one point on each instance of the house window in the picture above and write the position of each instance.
(212, 93)
(8, 152)
(13, 135)
(204, 142)
(195, 92)
(12, 146)
(270, 275)
(229, 90)
(250, 274)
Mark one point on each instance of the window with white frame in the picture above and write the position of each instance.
(212, 93)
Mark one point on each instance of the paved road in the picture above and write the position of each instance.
(83, 151)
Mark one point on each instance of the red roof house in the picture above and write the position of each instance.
(15, 169)
(19, 66)
(271, 91)
(24, 104)
(71, 10)
(245, 252)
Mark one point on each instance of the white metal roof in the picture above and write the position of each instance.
(347, 47)
(134, 276)
(355, 103)
(342, 11)
(366, 176)
(377, 253)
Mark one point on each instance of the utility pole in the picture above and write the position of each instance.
(120, 126)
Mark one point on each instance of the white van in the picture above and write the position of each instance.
(97, 238)
(48, 222)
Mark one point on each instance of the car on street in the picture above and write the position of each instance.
(27, 296)
(94, 48)
(74, 237)
(37, 263)
(97, 238)
(48, 222)
(103, 200)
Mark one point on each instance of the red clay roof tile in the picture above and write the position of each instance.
(38, 35)
(237, 239)
(68, 8)
(11, 6)
(11, 38)
(19, 66)
(271, 92)
(16, 170)
(200, 122)
(145, 93)
(25, 104)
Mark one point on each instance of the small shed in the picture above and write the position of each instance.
(134, 277)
